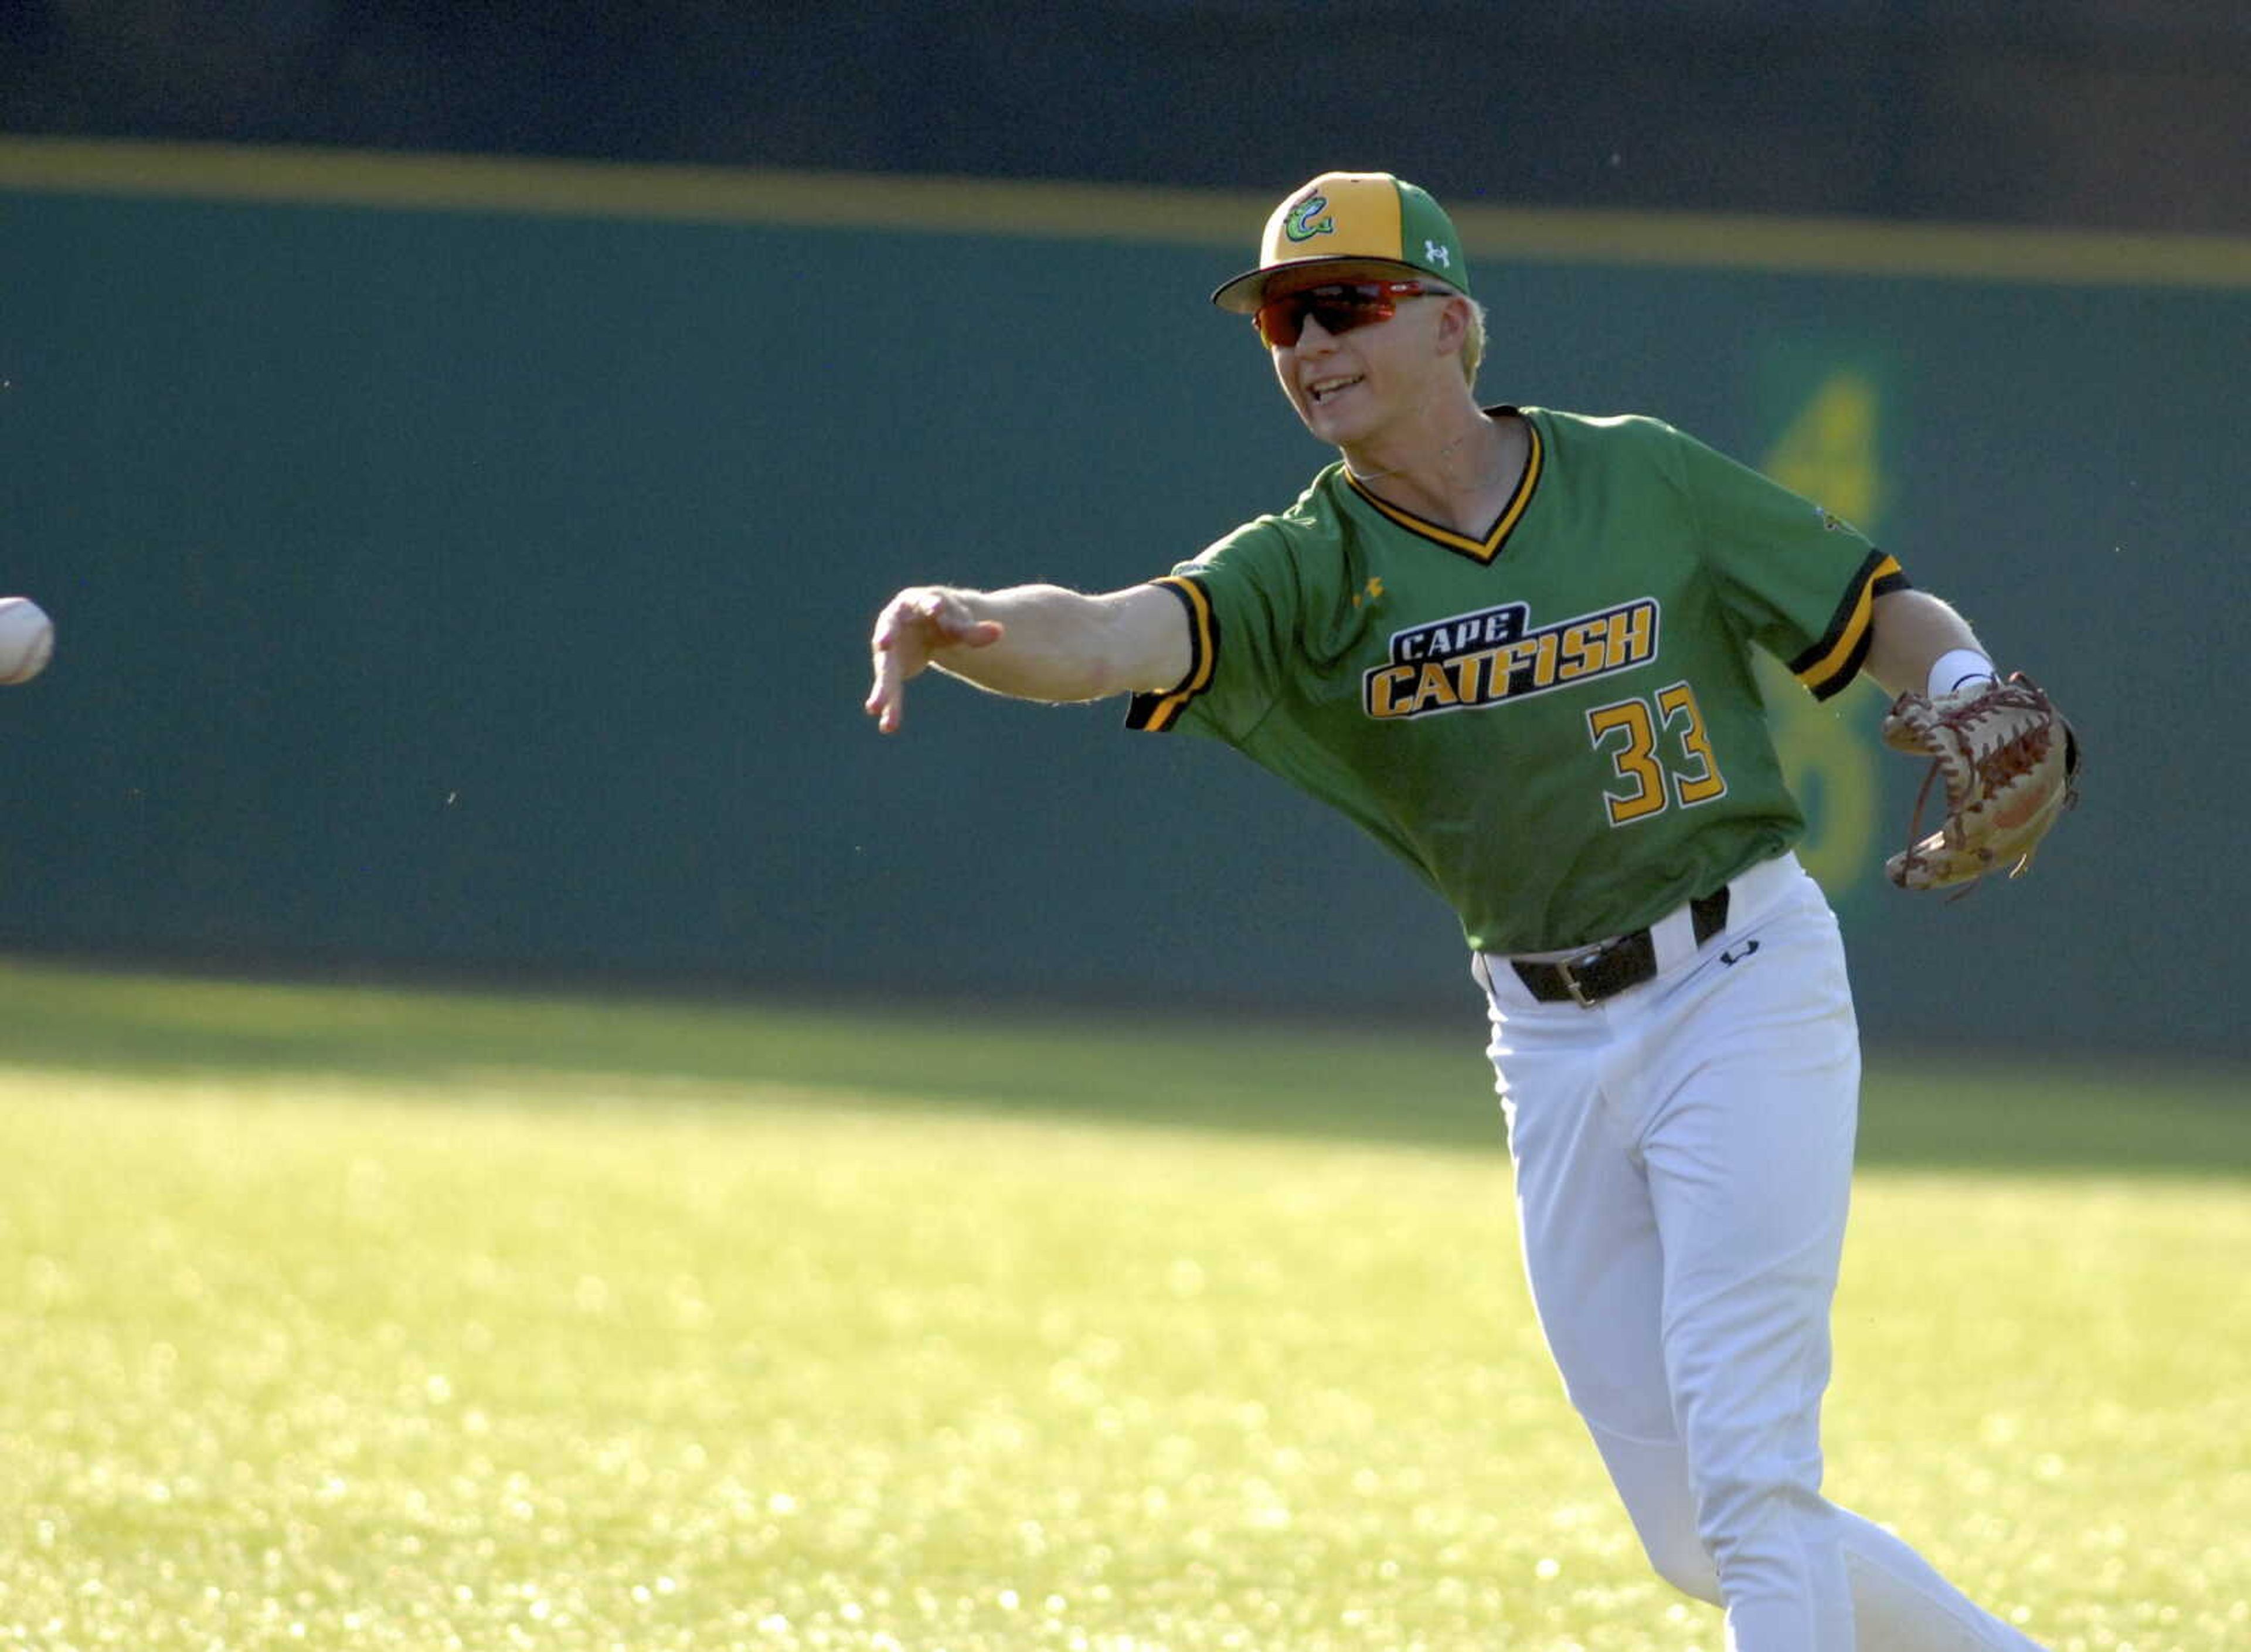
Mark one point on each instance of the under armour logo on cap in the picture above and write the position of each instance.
(1439, 254)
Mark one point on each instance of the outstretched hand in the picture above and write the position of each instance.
(913, 625)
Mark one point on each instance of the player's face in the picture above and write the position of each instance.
(1362, 355)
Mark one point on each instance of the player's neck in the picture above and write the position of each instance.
(1457, 471)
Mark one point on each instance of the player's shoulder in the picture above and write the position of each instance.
(1626, 432)
(1601, 449)
(1317, 512)
(1306, 526)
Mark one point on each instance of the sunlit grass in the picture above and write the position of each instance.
(536, 1356)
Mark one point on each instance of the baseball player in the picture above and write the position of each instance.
(1514, 645)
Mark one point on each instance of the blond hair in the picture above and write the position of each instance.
(1473, 355)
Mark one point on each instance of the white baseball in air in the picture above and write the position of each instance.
(27, 639)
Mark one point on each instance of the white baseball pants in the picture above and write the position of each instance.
(1684, 1155)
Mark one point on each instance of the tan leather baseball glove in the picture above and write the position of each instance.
(2010, 763)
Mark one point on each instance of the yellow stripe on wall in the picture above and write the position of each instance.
(608, 189)
(993, 206)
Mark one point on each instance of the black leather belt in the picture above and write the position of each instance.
(1605, 971)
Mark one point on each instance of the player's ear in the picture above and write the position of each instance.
(1453, 324)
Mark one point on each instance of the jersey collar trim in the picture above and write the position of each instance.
(1479, 549)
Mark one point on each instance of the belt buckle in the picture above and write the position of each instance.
(1567, 967)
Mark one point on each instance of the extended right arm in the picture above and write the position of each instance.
(1031, 642)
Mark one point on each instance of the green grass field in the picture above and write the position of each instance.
(359, 1319)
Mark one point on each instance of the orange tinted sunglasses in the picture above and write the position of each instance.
(1338, 307)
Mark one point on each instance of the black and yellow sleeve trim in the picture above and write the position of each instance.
(1479, 549)
(1157, 713)
(1833, 663)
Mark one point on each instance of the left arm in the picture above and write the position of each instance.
(1908, 630)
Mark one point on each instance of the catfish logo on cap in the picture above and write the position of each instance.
(1309, 217)
(1371, 223)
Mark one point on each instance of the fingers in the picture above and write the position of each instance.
(913, 625)
(886, 700)
(901, 648)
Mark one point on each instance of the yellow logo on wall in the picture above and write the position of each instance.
(1829, 452)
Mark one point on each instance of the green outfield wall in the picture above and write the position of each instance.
(466, 566)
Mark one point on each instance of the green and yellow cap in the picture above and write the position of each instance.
(1371, 219)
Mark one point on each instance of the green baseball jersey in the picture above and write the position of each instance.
(1556, 723)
